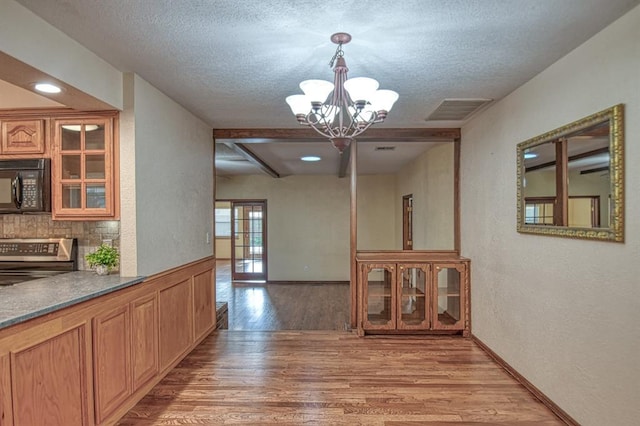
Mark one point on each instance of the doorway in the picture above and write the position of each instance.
(407, 222)
(249, 240)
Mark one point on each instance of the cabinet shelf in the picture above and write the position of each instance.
(445, 293)
(412, 292)
(379, 293)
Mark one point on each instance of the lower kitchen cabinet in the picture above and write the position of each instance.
(89, 364)
(49, 381)
(405, 296)
(144, 339)
(125, 352)
(111, 360)
(176, 321)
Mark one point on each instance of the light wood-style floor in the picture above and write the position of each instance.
(331, 377)
(337, 378)
(299, 306)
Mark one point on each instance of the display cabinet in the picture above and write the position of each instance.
(406, 296)
(84, 168)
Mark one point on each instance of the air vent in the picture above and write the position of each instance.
(457, 109)
(385, 148)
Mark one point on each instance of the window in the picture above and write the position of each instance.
(539, 211)
(223, 221)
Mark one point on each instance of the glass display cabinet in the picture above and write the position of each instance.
(448, 303)
(407, 297)
(83, 181)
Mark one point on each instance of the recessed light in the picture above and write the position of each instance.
(530, 155)
(47, 88)
(310, 158)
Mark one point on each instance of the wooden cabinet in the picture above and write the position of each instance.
(144, 339)
(88, 364)
(83, 147)
(49, 381)
(111, 360)
(84, 170)
(176, 321)
(449, 302)
(6, 413)
(410, 296)
(125, 352)
(22, 137)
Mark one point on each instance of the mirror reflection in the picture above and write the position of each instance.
(571, 179)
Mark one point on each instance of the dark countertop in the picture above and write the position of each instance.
(31, 299)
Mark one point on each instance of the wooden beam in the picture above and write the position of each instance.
(456, 196)
(572, 158)
(596, 170)
(253, 158)
(560, 211)
(353, 237)
(308, 134)
(344, 162)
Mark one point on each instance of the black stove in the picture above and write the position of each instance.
(28, 259)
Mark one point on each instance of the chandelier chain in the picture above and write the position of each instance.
(339, 54)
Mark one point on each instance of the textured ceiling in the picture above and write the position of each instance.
(232, 62)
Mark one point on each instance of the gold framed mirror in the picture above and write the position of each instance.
(571, 179)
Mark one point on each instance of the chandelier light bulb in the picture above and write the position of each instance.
(316, 90)
(383, 100)
(299, 104)
(361, 88)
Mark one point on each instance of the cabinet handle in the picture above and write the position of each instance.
(16, 186)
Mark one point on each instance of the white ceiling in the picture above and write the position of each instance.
(232, 62)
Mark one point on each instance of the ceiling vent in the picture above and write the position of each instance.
(457, 109)
(385, 148)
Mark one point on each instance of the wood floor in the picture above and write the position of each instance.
(302, 306)
(337, 378)
(330, 377)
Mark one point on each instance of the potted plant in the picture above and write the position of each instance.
(103, 259)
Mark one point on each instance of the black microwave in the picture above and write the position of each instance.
(25, 185)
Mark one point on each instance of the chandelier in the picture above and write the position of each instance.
(355, 104)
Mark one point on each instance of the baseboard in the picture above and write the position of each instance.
(308, 282)
(527, 384)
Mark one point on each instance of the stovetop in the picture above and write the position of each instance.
(27, 259)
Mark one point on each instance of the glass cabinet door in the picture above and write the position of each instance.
(378, 287)
(83, 176)
(448, 301)
(413, 294)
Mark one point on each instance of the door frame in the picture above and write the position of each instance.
(407, 222)
(242, 276)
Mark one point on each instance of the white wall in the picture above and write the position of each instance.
(173, 183)
(565, 313)
(377, 199)
(307, 223)
(28, 38)
(430, 178)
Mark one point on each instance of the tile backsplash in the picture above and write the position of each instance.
(89, 234)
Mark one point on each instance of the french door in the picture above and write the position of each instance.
(249, 240)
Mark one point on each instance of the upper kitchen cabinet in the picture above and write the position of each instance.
(84, 163)
(22, 138)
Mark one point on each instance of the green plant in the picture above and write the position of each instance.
(103, 255)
